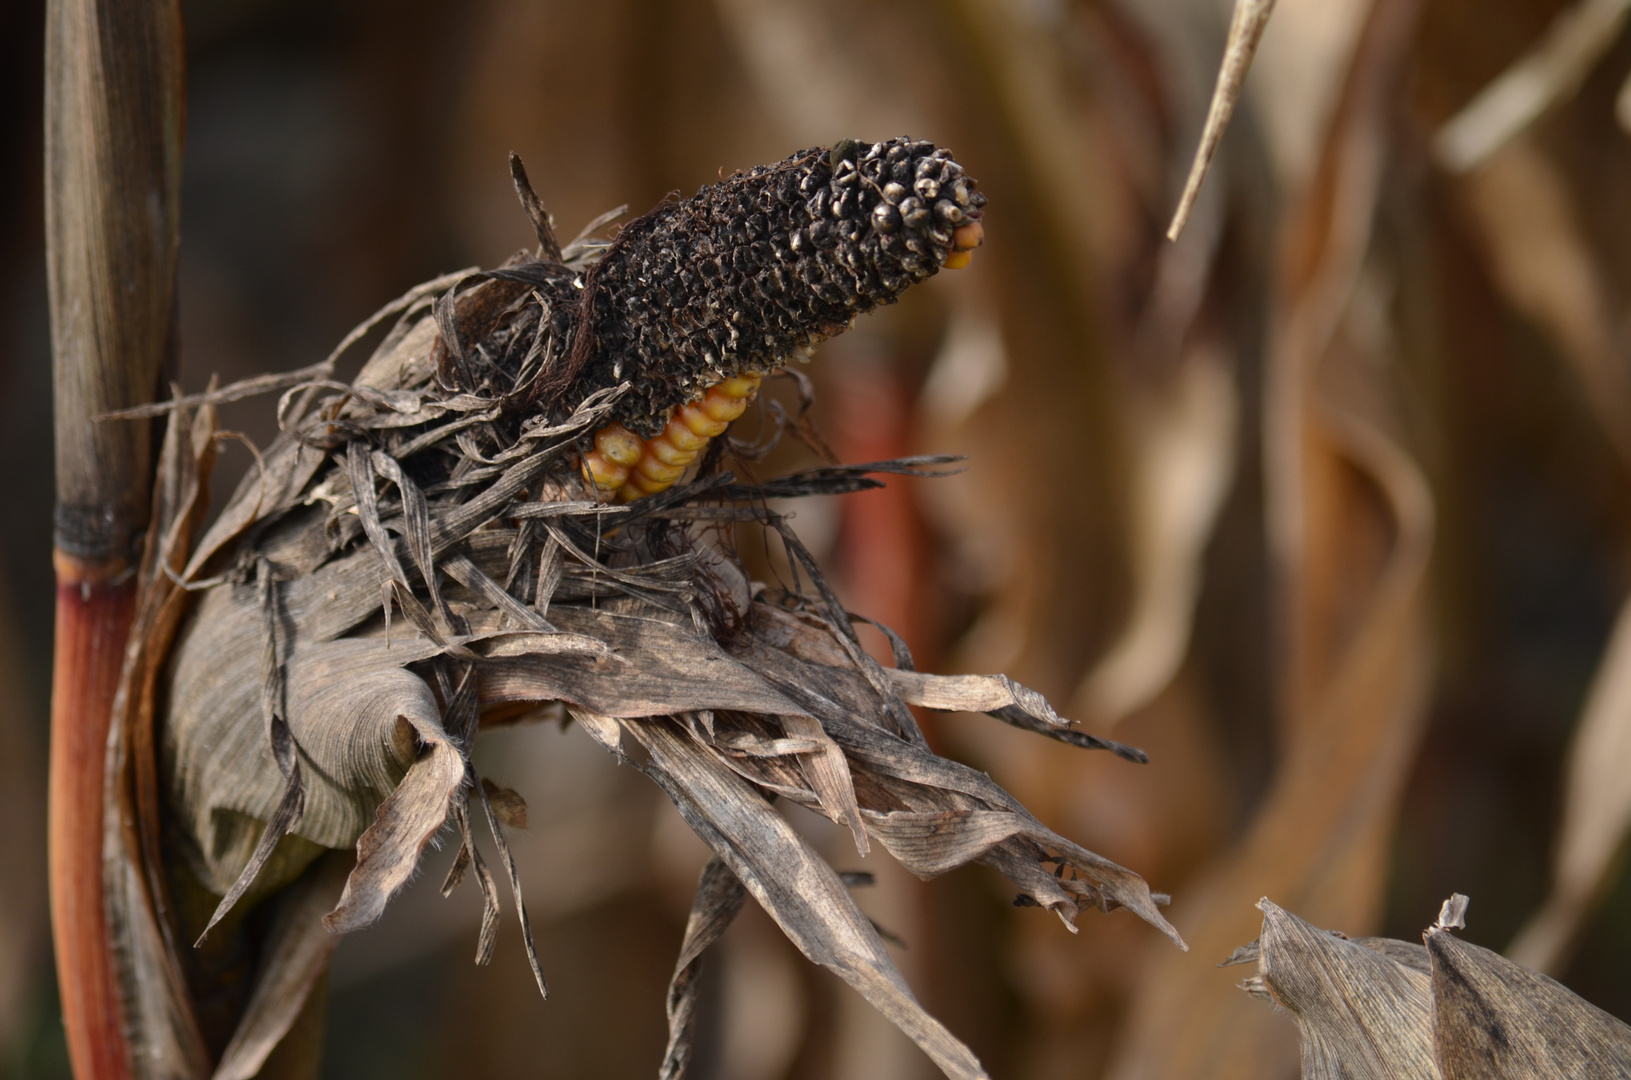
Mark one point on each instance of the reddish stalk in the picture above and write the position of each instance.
(95, 602)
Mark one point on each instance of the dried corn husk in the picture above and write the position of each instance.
(417, 556)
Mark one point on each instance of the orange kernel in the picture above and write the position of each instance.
(968, 237)
(957, 260)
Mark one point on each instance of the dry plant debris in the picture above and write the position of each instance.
(424, 552)
(1385, 1009)
(1250, 19)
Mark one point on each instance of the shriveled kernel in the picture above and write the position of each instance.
(957, 260)
(667, 453)
(683, 437)
(699, 422)
(968, 237)
(617, 443)
(722, 408)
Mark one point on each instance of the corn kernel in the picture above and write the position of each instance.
(617, 443)
(682, 437)
(957, 260)
(740, 387)
(667, 453)
(968, 237)
(655, 472)
(609, 475)
(722, 408)
(700, 422)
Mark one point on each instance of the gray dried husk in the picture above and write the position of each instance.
(417, 555)
(1380, 1009)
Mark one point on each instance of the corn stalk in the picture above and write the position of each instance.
(113, 122)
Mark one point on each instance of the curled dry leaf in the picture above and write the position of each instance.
(429, 549)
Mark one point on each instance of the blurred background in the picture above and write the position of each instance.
(1325, 505)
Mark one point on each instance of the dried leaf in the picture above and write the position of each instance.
(508, 805)
(1362, 1015)
(1596, 812)
(1356, 672)
(718, 901)
(794, 885)
(388, 852)
(515, 891)
(1495, 1020)
(1246, 27)
(297, 950)
(1549, 72)
(1384, 1009)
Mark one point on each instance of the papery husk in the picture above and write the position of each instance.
(414, 558)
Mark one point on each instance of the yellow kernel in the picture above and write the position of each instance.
(722, 408)
(700, 422)
(617, 443)
(654, 471)
(968, 237)
(682, 437)
(667, 453)
(742, 386)
(609, 475)
(957, 260)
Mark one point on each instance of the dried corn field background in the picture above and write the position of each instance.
(1327, 505)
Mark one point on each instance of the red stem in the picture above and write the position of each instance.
(95, 603)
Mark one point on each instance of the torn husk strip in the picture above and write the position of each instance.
(1245, 30)
(421, 547)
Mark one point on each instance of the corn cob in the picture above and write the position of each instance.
(699, 299)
